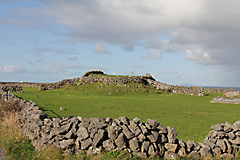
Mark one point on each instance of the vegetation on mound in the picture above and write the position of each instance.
(191, 116)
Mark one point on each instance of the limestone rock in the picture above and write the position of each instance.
(171, 147)
(133, 144)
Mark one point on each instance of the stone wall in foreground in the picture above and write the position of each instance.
(77, 134)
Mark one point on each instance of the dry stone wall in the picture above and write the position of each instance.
(77, 134)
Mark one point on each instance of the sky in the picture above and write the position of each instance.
(179, 42)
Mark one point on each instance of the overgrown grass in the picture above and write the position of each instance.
(191, 116)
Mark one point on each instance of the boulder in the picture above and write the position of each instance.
(171, 147)
(133, 144)
(120, 141)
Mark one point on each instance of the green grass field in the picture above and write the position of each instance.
(191, 116)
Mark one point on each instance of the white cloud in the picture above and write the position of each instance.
(153, 54)
(101, 48)
(191, 25)
(12, 69)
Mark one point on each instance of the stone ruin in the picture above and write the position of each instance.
(77, 135)
(146, 80)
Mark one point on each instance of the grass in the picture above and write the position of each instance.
(191, 116)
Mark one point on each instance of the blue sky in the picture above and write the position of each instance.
(178, 42)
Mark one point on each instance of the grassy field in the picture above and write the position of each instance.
(191, 116)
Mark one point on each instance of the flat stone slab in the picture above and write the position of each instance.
(226, 100)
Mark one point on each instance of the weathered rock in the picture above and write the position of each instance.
(226, 156)
(127, 132)
(92, 150)
(99, 137)
(204, 152)
(108, 120)
(134, 128)
(227, 127)
(171, 155)
(231, 135)
(171, 147)
(82, 133)
(153, 136)
(194, 155)
(151, 150)
(143, 128)
(217, 127)
(136, 120)
(141, 137)
(86, 143)
(216, 151)
(182, 152)
(124, 120)
(235, 141)
(221, 144)
(109, 145)
(113, 132)
(133, 144)
(236, 126)
(145, 146)
(171, 135)
(152, 122)
(67, 143)
(120, 141)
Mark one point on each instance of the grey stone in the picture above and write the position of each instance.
(226, 156)
(151, 150)
(93, 150)
(109, 145)
(204, 152)
(227, 127)
(161, 128)
(236, 125)
(127, 132)
(162, 138)
(161, 149)
(152, 122)
(237, 133)
(141, 137)
(153, 136)
(120, 141)
(108, 120)
(136, 120)
(231, 135)
(99, 137)
(181, 143)
(145, 146)
(124, 120)
(171, 135)
(112, 132)
(221, 144)
(134, 128)
(216, 151)
(171, 155)
(82, 133)
(133, 144)
(194, 155)
(171, 147)
(229, 146)
(235, 141)
(182, 152)
(86, 143)
(64, 144)
(217, 127)
(143, 128)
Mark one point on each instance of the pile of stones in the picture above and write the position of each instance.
(11, 88)
(220, 99)
(199, 91)
(218, 90)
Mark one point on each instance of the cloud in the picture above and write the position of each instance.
(197, 29)
(153, 54)
(72, 58)
(40, 51)
(207, 31)
(101, 48)
(12, 69)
